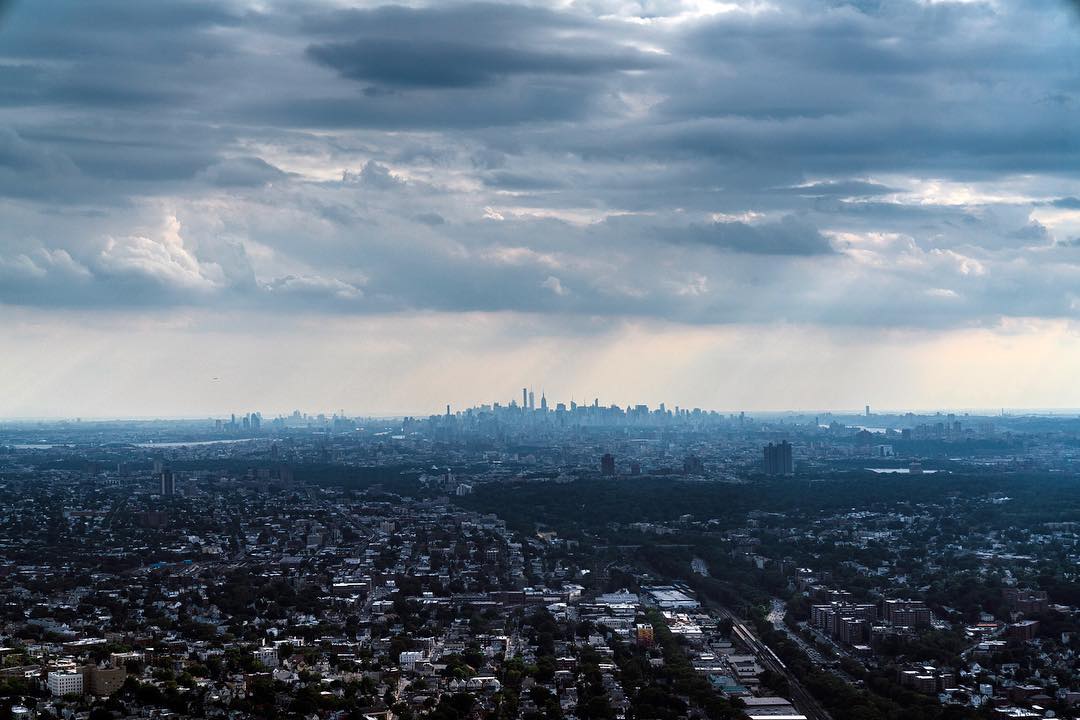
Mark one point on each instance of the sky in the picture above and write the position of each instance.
(238, 205)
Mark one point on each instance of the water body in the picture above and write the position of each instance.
(194, 443)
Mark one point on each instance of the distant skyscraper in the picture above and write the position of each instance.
(524, 398)
(168, 482)
(543, 401)
(867, 411)
(607, 464)
(777, 459)
(532, 400)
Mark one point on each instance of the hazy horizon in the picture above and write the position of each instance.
(759, 414)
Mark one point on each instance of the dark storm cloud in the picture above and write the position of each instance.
(31, 170)
(409, 63)
(859, 143)
(156, 33)
(789, 236)
(460, 65)
(116, 89)
(512, 22)
(462, 109)
(516, 181)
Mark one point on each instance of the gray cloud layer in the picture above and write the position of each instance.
(905, 163)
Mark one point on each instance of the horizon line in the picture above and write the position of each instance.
(969, 411)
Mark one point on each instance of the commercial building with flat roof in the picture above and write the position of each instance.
(670, 598)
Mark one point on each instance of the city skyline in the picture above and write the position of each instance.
(569, 404)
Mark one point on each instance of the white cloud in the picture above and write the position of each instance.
(555, 285)
(315, 285)
(164, 258)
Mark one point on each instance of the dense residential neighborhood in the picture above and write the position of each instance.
(323, 567)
